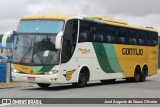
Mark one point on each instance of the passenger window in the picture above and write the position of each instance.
(141, 41)
(152, 39)
(154, 42)
(110, 35)
(86, 31)
(83, 37)
(132, 37)
(142, 35)
(122, 33)
(98, 37)
(99, 33)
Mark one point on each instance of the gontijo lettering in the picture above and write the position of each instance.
(132, 51)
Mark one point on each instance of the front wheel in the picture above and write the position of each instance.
(43, 85)
(82, 82)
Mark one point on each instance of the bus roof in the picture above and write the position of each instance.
(98, 19)
(54, 16)
(121, 23)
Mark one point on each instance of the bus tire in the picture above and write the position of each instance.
(136, 77)
(108, 81)
(129, 79)
(43, 85)
(83, 78)
(137, 74)
(144, 73)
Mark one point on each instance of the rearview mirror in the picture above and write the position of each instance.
(5, 36)
(58, 40)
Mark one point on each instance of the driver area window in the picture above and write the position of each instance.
(69, 40)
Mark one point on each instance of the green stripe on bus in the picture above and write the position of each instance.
(93, 20)
(102, 57)
(112, 57)
(42, 68)
(35, 69)
(46, 68)
(107, 57)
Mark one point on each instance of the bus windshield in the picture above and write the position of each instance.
(40, 26)
(34, 43)
(35, 49)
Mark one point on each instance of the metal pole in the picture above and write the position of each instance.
(7, 73)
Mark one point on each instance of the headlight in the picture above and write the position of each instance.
(15, 71)
(51, 72)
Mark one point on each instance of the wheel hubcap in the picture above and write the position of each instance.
(82, 77)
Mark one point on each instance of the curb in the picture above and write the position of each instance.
(14, 85)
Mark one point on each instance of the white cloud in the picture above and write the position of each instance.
(8, 24)
(143, 12)
(151, 20)
(36, 8)
(12, 8)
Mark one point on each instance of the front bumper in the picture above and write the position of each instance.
(35, 78)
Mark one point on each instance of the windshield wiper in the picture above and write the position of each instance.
(28, 49)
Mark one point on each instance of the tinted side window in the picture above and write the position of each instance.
(86, 31)
(155, 39)
(110, 34)
(152, 39)
(122, 35)
(132, 37)
(69, 39)
(149, 39)
(142, 38)
(98, 33)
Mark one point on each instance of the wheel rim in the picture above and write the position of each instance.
(137, 76)
(143, 75)
(82, 77)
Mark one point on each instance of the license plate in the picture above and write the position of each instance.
(31, 78)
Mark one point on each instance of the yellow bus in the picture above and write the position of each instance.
(50, 49)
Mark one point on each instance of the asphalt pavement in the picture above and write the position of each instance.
(120, 89)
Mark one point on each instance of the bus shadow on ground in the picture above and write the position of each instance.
(69, 86)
